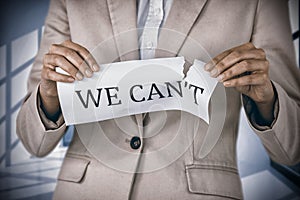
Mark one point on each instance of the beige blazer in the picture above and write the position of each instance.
(215, 25)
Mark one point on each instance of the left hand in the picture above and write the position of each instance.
(246, 68)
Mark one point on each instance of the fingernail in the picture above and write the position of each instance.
(70, 79)
(220, 77)
(214, 72)
(207, 67)
(96, 68)
(88, 72)
(79, 76)
(226, 84)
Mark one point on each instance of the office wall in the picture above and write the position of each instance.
(21, 28)
(294, 18)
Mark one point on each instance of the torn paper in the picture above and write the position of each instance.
(135, 87)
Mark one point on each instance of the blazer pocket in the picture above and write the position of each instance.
(214, 180)
(73, 169)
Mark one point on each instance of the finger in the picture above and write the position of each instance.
(243, 67)
(84, 53)
(235, 57)
(210, 65)
(53, 60)
(73, 57)
(252, 79)
(49, 74)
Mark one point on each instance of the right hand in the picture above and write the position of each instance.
(72, 58)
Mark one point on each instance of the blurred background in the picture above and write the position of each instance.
(23, 176)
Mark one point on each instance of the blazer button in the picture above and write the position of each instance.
(135, 142)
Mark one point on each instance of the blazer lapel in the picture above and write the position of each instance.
(182, 16)
(123, 20)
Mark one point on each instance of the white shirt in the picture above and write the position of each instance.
(151, 15)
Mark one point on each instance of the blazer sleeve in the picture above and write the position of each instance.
(272, 32)
(38, 134)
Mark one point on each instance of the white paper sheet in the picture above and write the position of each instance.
(134, 87)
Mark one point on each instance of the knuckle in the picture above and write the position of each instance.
(236, 54)
(66, 42)
(53, 48)
(265, 77)
(46, 66)
(74, 72)
(56, 59)
(48, 74)
(82, 65)
(245, 64)
(250, 80)
(214, 61)
(59, 62)
(45, 59)
(229, 73)
(219, 67)
(68, 53)
(250, 45)
(71, 70)
(266, 63)
(262, 52)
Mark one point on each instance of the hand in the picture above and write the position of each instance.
(247, 70)
(72, 58)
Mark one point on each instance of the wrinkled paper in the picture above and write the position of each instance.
(135, 87)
